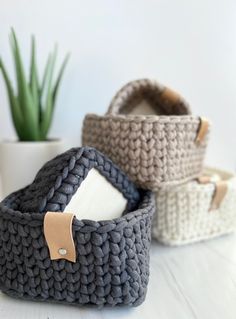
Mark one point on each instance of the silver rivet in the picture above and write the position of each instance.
(62, 251)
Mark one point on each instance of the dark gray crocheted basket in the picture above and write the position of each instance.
(112, 257)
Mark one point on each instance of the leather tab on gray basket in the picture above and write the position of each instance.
(58, 234)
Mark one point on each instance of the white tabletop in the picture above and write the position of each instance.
(196, 281)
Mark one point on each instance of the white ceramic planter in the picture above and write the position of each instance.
(20, 161)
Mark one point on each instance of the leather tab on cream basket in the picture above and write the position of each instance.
(58, 234)
(203, 129)
(221, 189)
(204, 179)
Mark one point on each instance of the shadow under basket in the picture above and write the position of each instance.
(111, 265)
(150, 133)
(199, 210)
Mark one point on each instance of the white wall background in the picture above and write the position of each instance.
(186, 44)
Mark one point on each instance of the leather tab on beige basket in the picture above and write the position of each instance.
(170, 95)
(203, 129)
(58, 234)
(220, 192)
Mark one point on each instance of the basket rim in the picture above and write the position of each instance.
(145, 208)
(193, 185)
(148, 89)
(167, 241)
(146, 118)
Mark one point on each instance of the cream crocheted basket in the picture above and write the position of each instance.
(198, 210)
(150, 133)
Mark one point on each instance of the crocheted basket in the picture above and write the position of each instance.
(198, 210)
(111, 265)
(150, 133)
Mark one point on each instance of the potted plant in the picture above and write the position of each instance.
(32, 108)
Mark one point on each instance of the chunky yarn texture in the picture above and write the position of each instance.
(158, 150)
(184, 216)
(112, 257)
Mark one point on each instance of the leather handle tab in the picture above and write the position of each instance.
(203, 129)
(58, 234)
(171, 95)
(221, 188)
(204, 179)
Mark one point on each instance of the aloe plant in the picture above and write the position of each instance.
(33, 103)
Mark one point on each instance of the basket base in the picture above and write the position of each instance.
(182, 242)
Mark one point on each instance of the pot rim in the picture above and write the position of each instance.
(25, 143)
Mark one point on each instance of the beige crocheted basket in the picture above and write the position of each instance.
(150, 133)
(198, 210)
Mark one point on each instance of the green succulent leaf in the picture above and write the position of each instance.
(59, 77)
(15, 109)
(46, 117)
(48, 108)
(34, 82)
(26, 100)
(33, 105)
(45, 74)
